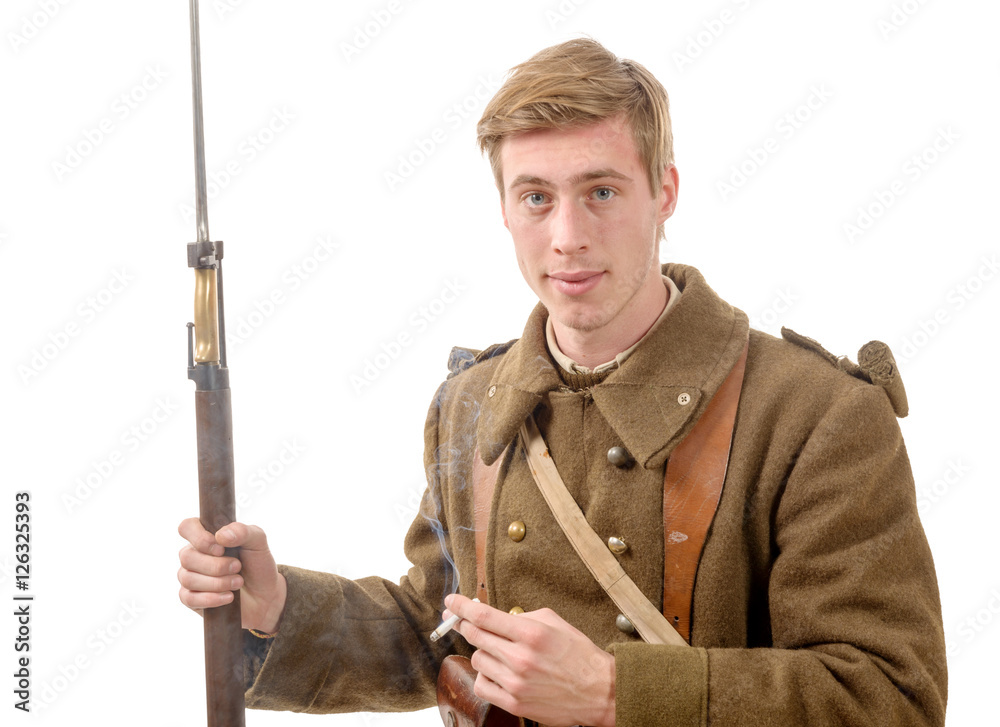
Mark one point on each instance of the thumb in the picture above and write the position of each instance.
(239, 535)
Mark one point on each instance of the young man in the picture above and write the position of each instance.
(815, 601)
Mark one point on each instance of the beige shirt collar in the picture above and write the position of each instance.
(568, 364)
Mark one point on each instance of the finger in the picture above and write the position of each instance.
(490, 667)
(446, 614)
(456, 603)
(209, 565)
(197, 600)
(485, 617)
(489, 691)
(194, 532)
(198, 582)
(482, 638)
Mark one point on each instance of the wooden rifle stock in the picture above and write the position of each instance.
(223, 627)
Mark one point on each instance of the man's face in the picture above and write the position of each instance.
(578, 205)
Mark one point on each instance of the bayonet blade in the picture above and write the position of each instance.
(201, 186)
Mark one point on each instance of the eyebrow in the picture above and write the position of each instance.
(576, 179)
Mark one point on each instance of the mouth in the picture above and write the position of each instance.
(576, 282)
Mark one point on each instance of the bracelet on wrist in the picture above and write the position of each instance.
(262, 634)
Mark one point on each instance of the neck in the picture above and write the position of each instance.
(595, 347)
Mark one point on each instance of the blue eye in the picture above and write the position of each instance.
(536, 198)
(604, 194)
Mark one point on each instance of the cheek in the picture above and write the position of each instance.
(529, 264)
(516, 223)
(526, 239)
(524, 264)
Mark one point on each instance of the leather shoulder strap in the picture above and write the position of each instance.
(692, 487)
(484, 481)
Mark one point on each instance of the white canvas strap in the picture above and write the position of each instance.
(647, 619)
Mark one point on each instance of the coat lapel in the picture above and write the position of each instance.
(661, 390)
(519, 384)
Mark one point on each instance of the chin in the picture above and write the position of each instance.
(584, 321)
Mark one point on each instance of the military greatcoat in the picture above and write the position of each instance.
(816, 601)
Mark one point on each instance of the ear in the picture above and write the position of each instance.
(667, 196)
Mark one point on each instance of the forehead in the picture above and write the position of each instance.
(563, 153)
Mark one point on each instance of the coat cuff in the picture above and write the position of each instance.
(660, 684)
(287, 673)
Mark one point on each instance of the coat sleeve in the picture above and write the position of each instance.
(347, 646)
(855, 617)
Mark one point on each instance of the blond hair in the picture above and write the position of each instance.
(576, 83)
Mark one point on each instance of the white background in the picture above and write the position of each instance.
(885, 80)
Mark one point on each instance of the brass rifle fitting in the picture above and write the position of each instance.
(206, 316)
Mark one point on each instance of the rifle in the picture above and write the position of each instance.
(214, 416)
(457, 701)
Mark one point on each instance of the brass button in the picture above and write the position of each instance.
(624, 625)
(616, 545)
(516, 610)
(619, 457)
(515, 531)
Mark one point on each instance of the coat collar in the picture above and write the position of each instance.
(685, 359)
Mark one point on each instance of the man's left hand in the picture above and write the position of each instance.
(536, 665)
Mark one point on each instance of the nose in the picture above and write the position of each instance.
(570, 229)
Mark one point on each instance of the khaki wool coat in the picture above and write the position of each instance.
(816, 601)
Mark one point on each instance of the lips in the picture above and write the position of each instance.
(576, 282)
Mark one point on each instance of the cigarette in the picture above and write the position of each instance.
(447, 626)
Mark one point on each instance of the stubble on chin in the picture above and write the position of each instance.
(586, 321)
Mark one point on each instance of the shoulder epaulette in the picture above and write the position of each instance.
(462, 358)
(876, 365)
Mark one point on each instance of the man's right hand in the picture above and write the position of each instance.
(208, 578)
